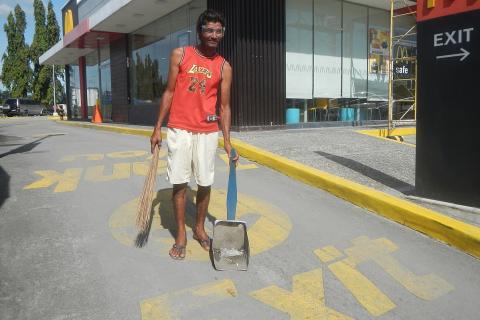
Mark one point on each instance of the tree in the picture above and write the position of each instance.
(41, 78)
(53, 30)
(16, 72)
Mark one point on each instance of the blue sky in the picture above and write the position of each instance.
(27, 5)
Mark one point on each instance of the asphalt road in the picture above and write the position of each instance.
(69, 248)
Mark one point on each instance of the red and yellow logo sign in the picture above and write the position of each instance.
(68, 21)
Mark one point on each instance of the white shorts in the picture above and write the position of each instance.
(191, 152)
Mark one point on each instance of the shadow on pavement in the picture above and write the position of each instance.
(371, 173)
(167, 216)
(4, 177)
(4, 186)
(25, 147)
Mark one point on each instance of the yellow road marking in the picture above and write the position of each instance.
(96, 173)
(87, 156)
(187, 301)
(271, 227)
(327, 254)
(306, 301)
(70, 179)
(112, 155)
(127, 154)
(428, 287)
(369, 296)
(141, 168)
(65, 182)
(161, 154)
(225, 159)
(365, 249)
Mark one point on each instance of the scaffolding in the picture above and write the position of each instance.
(402, 84)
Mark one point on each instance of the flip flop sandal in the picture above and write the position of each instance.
(204, 243)
(180, 249)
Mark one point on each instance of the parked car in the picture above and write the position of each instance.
(22, 106)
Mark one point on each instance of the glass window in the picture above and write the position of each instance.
(74, 95)
(404, 66)
(348, 46)
(378, 51)
(92, 81)
(328, 48)
(106, 83)
(151, 48)
(11, 102)
(299, 47)
(355, 56)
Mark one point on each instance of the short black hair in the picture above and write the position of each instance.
(209, 15)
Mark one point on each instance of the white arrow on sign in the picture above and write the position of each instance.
(464, 54)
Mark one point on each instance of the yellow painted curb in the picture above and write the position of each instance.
(111, 128)
(451, 231)
(383, 133)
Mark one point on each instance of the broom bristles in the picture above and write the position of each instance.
(145, 202)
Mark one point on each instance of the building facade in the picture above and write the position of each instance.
(293, 60)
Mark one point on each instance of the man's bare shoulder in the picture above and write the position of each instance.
(178, 51)
(176, 55)
(227, 67)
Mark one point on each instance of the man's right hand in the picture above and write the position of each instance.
(156, 139)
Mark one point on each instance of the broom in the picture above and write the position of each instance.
(145, 203)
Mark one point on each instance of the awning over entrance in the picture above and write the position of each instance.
(113, 19)
(77, 43)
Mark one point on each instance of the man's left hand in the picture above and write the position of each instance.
(228, 150)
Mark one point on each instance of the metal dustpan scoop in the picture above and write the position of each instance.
(230, 241)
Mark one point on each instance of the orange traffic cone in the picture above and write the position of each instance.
(97, 115)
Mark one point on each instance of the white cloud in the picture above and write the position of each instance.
(5, 9)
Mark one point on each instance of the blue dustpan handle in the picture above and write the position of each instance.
(232, 188)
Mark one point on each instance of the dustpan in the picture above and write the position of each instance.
(230, 247)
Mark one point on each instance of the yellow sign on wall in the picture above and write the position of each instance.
(68, 21)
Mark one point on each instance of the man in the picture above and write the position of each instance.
(197, 76)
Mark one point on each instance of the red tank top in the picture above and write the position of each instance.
(195, 95)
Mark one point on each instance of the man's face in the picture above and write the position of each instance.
(211, 34)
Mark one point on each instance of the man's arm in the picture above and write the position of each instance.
(225, 111)
(167, 97)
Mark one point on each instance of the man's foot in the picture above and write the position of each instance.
(203, 240)
(177, 252)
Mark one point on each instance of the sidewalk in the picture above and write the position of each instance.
(373, 173)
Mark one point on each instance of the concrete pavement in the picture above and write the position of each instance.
(69, 249)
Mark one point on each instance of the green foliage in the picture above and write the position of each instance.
(39, 45)
(4, 95)
(16, 71)
(17, 74)
(149, 84)
(53, 30)
(53, 36)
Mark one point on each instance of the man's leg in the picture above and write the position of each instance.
(203, 199)
(204, 153)
(179, 198)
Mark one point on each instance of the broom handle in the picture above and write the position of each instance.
(232, 188)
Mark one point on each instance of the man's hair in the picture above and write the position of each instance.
(207, 16)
